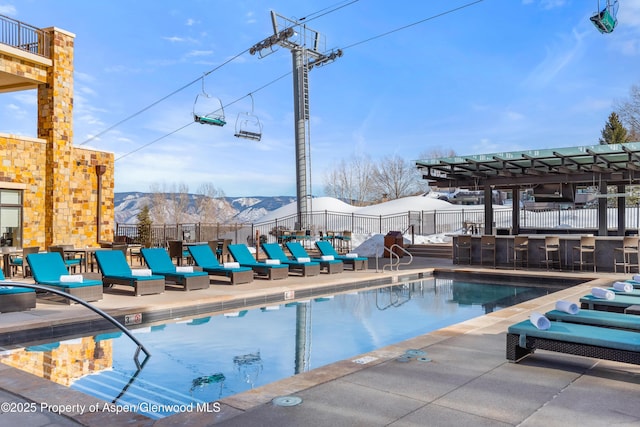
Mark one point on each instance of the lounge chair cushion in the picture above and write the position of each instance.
(6, 290)
(598, 318)
(241, 254)
(160, 263)
(113, 264)
(581, 334)
(48, 267)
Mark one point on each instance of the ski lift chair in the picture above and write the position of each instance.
(201, 109)
(605, 20)
(248, 125)
(215, 118)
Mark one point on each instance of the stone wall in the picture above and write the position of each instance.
(60, 182)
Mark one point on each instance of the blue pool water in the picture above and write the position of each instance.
(205, 359)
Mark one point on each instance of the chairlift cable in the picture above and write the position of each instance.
(275, 80)
(126, 119)
(192, 122)
(413, 24)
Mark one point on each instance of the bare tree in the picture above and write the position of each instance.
(179, 198)
(629, 112)
(394, 177)
(210, 203)
(170, 203)
(159, 205)
(351, 181)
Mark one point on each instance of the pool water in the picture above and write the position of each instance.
(204, 359)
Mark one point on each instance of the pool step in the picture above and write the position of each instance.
(433, 250)
(132, 392)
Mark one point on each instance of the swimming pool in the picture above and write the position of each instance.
(204, 359)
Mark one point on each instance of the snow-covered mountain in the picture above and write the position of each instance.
(233, 209)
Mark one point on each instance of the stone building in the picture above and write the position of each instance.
(51, 192)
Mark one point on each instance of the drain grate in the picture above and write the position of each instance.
(287, 401)
(415, 353)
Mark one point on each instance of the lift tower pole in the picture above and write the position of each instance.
(307, 47)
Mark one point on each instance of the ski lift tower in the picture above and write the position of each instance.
(307, 47)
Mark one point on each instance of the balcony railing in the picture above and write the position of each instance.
(24, 36)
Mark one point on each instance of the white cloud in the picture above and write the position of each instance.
(8, 10)
(199, 53)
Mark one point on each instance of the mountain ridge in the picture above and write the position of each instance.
(127, 205)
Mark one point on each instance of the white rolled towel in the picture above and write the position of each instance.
(603, 293)
(567, 307)
(184, 269)
(351, 255)
(304, 259)
(327, 257)
(623, 286)
(71, 278)
(141, 272)
(636, 277)
(539, 321)
(272, 261)
(231, 265)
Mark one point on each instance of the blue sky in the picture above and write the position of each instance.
(499, 75)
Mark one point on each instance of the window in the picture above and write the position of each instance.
(10, 217)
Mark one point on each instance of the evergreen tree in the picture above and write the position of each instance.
(144, 227)
(614, 131)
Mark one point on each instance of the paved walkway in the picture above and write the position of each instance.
(466, 382)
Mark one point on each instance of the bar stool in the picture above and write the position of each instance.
(551, 250)
(628, 250)
(586, 252)
(520, 251)
(463, 245)
(488, 244)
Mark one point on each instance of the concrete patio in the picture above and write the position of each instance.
(466, 382)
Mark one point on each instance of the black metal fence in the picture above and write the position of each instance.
(24, 36)
(420, 222)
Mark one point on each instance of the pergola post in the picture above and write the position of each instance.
(602, 210)
(515, 211)
(488, 210)
(622, 208)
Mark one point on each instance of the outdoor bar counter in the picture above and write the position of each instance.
(569, 257)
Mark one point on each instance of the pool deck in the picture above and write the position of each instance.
(467, 382)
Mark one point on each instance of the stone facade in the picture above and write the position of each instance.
(68, 192)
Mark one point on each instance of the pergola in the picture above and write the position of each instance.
(591, 165)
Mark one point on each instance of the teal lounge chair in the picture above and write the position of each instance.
(204, 258)
(160, 263)
(618, 304)
(274, 251)
(583, 340)
(356, 263)
(48, 269)
(240, 252)
(606, 319)
(332, 266)
(116, 271)
(13, 298)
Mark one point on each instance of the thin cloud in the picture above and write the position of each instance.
(198, 53)
(557, 59)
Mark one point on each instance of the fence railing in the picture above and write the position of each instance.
(420, 222)
(24, 36)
